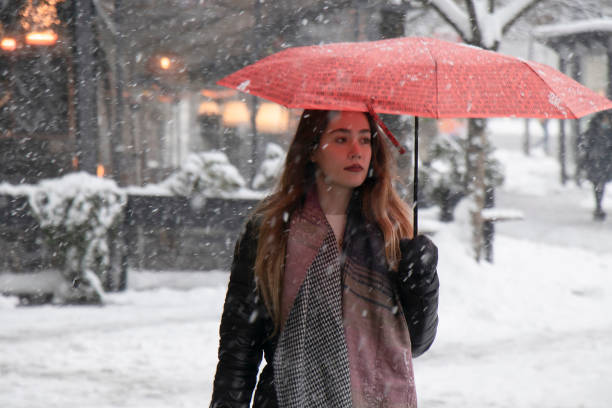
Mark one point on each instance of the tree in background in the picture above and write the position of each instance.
(484, 23)
(444, 175)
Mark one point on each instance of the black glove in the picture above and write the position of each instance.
(418, 264)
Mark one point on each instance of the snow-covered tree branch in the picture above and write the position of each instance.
(512, 11)
(453, 15)
(481, 23)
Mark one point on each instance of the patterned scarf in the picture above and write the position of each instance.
(344, 341)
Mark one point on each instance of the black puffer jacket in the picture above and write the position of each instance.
(246, 326)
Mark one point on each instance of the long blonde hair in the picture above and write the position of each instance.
(380, 204)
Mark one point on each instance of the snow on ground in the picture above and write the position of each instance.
(531, 330)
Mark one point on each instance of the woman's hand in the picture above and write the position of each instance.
(418, 290)
(417, 266)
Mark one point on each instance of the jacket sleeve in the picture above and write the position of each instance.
(418, 290)
(242, 331)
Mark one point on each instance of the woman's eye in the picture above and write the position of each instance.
(366, 141)
(341, 139)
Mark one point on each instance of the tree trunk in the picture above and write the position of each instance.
(562, 153)
(526, 139)
(488, 228)
(475, 149)
(599, 189)
(476, 163)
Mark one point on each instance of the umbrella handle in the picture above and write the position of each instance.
(385, 129)
(415, 192)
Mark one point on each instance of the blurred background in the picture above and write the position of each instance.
(124, 92)
(126, 175)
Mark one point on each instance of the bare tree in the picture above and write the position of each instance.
(481, 23)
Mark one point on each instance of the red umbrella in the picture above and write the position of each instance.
(415, 76)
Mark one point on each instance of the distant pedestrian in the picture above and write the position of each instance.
(327, 281)
(595, 147)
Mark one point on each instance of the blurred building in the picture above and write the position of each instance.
(584, 49)
(36, 113)
(127, 89)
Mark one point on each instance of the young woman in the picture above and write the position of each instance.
(327, 282)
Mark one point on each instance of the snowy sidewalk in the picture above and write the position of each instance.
(555, 214)
(521, 333)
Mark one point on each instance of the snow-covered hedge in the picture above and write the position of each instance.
(444, 176)
(75, 213)
(207, 173)
(270, 168)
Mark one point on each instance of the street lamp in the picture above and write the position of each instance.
(164, 63)
(272, 118)
(218, 94)
(209, 108)
(235, 113)
(8, 44)
(48, 37)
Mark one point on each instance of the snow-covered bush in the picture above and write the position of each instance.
(270, 168)
(207, 174)
(75, 214)
(445, 175)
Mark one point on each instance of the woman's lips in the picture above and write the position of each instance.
(355, 168)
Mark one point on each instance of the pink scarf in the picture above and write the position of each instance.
(375, 330)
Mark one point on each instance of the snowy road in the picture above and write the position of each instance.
(566, 221)
(555, 214)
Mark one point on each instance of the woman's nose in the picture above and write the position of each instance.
(355, 150)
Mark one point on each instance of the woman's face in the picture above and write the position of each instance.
(344, 151)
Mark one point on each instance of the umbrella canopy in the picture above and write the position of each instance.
(415, 76)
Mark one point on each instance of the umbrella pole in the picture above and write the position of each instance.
(415, 203)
